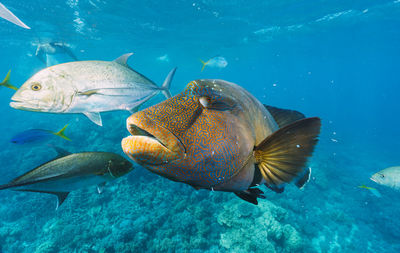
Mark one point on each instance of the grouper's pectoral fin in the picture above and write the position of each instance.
(282, 155)
(94, 117)
(250, 195)
(61, 196)
(284, 117)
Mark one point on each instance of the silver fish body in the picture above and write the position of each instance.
(87, 87)
(71, 172)
(389, 177)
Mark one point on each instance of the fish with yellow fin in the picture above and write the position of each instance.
(215, 135)
(6, 82)
(372, 190)
(215, 62)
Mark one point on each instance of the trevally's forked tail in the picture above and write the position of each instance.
(9, 16)
(167, 83)
(6, 82)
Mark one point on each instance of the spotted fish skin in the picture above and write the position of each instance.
(203, 136)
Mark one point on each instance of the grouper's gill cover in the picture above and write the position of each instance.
(206, 122)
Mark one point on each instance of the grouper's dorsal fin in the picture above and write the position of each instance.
(282, 156)
(123, 59)
(284, 117)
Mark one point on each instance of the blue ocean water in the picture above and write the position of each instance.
(338, 60)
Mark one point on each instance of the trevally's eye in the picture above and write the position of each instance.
(382, 176)
(36, 86)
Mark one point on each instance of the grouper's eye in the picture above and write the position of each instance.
(36, 86)
(217, 103)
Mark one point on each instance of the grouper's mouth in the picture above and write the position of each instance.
(150, 143)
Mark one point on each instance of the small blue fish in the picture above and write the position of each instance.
(215, 62)
(38, 135)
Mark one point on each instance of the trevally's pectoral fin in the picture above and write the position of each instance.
(61, 196)
(94, 117)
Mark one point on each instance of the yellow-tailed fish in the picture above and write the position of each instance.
(215, 62)
(88, 87)
(6, 82)
(217, 136)
(38, 135)
(372, 190)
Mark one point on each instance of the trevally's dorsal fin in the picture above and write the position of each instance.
(123, 59)
(60, 151)
(284, 117)
(94, 117)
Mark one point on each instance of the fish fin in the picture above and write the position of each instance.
(88, 92)
(6, 82)
(284, 117)
(303, 179)
(69, 52)
(123, 59)
(100, 187)
(204, 64)
(134, 110)
(167, 83)
(61, 133)
(60, 151)
(9, 16)
(94, 117)
(6, 186)
(61, 196)
(276, 188)
(250, 195)
(283, 154)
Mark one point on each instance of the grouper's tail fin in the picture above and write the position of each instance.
(6, 82)
(282, 155)
(61, 133)
(167, 83)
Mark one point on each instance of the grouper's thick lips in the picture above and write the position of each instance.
(155, 133)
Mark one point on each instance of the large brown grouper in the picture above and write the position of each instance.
(215, 135)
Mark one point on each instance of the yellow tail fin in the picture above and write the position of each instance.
(204, 64)
(6, 82)
(61, 133)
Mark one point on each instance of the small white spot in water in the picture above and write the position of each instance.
(334, 133)
(274, 84)
(298, 146)
(334, 140)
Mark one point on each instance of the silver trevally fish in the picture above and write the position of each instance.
(88, 87)
(389, 177)
(70, 172)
